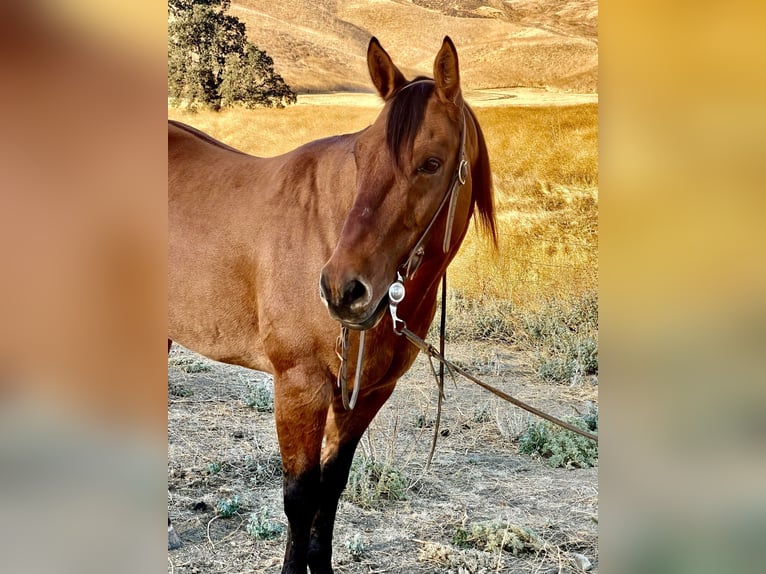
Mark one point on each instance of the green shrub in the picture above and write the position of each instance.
(261, 527)
(467, 319)
(561, 447)
(553, 368)
(565, 337)
(260, 396)
(355, 547)
(180, 390)
(497, 535)
(190, 364)
(228, 507)
(371, 482)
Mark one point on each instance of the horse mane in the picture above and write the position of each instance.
(203, 136)
(404, 119)
(483, 196)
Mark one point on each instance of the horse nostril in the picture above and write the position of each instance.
(354, 293)
(324, 289)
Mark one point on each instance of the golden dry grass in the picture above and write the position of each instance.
(545, 167)
(267, 132)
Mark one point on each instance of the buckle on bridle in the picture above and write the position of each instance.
(462, 171)
(396, 293)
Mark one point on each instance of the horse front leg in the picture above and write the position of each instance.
(342, 434)
(301, 402)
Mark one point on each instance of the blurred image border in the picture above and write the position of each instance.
(682, 281)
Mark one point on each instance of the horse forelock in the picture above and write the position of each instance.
(405, 119)
(406, 116)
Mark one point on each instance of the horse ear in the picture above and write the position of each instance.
(446, 72)
(385, 75)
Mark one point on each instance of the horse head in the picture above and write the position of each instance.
(422, 168)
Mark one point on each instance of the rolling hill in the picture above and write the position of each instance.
(320, 46)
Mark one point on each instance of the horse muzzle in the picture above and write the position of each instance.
(352, 302)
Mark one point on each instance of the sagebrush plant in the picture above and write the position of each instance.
(496, 536)
(228, 506)
(263, 471)
(564, 335)
(560, 447)
(355, 546)
(561, 334)
(480, 320)
(481, 414)
(190, 364)
(261, 527)
(371, 482)
(180, 390)
(260, 396)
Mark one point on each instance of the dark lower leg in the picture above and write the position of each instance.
(333, 480)
(301, 497)
(300, 409)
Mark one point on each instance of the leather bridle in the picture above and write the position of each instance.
(396, 291)
(459, 177)
(406, 270)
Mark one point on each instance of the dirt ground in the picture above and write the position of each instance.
(219, 447)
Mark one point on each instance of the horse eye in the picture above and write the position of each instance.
(430, 166)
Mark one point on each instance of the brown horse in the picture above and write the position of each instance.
(261, 250)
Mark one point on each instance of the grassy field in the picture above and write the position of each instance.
(539, 287)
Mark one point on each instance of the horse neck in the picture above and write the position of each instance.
(321, 172)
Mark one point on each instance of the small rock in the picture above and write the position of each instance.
(582, 561)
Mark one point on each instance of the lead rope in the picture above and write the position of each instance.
(397, 288)
(440, 378)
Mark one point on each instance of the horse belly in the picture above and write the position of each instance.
(212, 309)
